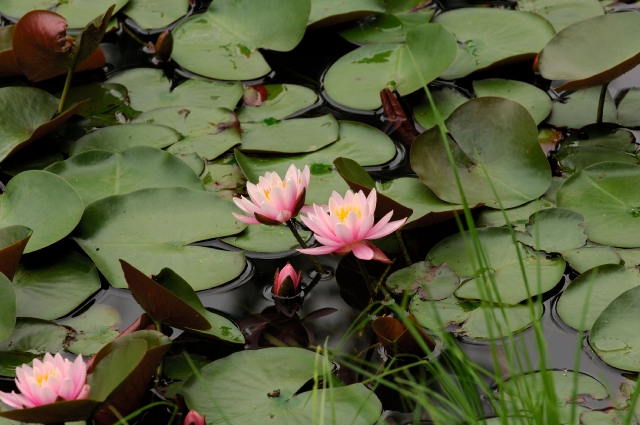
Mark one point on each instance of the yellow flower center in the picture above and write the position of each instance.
(343, 211)
(44, 377)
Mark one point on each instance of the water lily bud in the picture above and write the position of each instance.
(254, 95)
(164, 46)
(194, 418)
(286, 283)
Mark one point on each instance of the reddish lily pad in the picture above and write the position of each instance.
(397, 338)
(13, 240)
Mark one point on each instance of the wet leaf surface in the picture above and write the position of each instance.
(487, 322)
(388, 27)
(330, 12)
(628, 109)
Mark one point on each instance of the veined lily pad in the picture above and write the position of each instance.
(610, 35)
(282, 101)
(242, 381)
(535, 100)
(593, 291)
(13, 240)
(150, 14)
(488, 37)
(554, 230)
(205, 131)
(561, 14)
(628, 109)
(446, 99)
(149, 89)
(614, 336)
(357, 78)
(581, 108)
(43, 202)
(65, 276)
(93, 328)
(223, 43)
(605, 194)
(503, 267)
(387, 27)
(262, 238)
(7, 308)
(427, 281)
(494, 143)
(519, 318)
(330, 12)
(142, 228)
(588, 257)
(96, 174)
(120, 137)
(298, 135)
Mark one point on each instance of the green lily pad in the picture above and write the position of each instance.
(330, 12)
(93, 328)
(572, 160)
(536, 101)
(43, 202)
(628, 109)
(608, 136)
(149, 89)
(299, 135)
(564, 13)
(556, 183)
(357, 78)
(368, 144)
(518, 217)
(491, 138)
(429, 282)
(177, 367)
(120, 137)
(593, 291)
(581, 109)
(588, 257)
(489, 36)
(96, 174)
(242, 381)
(16, 9)
(630, 257)
(610, 35)
(554, 230)
(436, 315)
(7, 308)
(282, 101)
(609, 417)
(224, 177)
(262, 238)
(65, 276)
(142, 228)
(223, 43)
(151, 14)
(503, 266)
(79, 13)
(518, 318)
(605, 194)
(446, 100)
(387, 27)
(108, 102)
(205, 131)
(614, 335)
(193, 161)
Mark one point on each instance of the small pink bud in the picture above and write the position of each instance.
(254, 95)
(194, 418)
(286, 283)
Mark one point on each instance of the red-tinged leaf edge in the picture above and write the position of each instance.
(13, 240)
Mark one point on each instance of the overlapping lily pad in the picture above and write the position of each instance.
(80, 12)
(151, 229)
(7, 308)
(564, 13)
(223, 43)
(535, 100)
(96, 174)
(93, 328)
(13, 240)
(554, 230)
(282, 101)
(628, 109)
(580, 108)
(151, 14)
(43, 202)
(487, 322)
(262, 238)
(427, 281)
(517, 217)
(446, 100)
(357, 78)
(242, 381)
(605, 194)
(436, 315)
(495, 147)
(108, 102)
(488, 37)
(588, 257)
(120, 137)
(331, 12)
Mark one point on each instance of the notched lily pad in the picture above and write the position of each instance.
(580, 108)
(518, 318)
(447, 100)
(282, 100)
(94, 328)
(532, 98)
(429, 282)
(554, 230)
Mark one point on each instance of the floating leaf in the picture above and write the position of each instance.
(43, 202)
(572, 160)
(242, 381)
(397, 338)
(282, 101)
(331, 12)
(588, 257)
(630, 257)
(628, 109)
(13, 240)
(532, 98)
(151, 14)
(554, 230)
(564, 13)
(223, 43)
(593, 291)
(108, 103)
(518, 217)
(224, 177)
(93, 328)
(605, 194)
(580, 108)
(446, 99)
(387, 27)
(149, 89)
(262, 238)
(518, 318)
(138, 227)
(610, 35)
(491, 138)
(489, 36)
(81, 12)
(16, 9)
(96, 174)
(357, 78)
(427, 281)
(120, 137)
(436, 315)
(7, 308)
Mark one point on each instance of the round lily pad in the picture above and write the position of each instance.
(209, 132)
(79, 13)
(96, 174)
(535, 100)
(331, 12)
(518, 318)
(564, 13)
(429, 282)
(43, 202)
(149, 89)
(357, 78)
(282, 101)
(223, 43)
(490, 36)
(152, 229)
(588, 257)
(554, 230)
(151, 14)
(614, 335)
(446, 99)
(65, 276)
(491, 138)
(518, 217)
(605, 194)
(503, 267)
(628, 109)
(611, 36)
(440, 314)
(262, 238)
(572, 160)
(387, 27)
(590, 293)
(93, 328)
(253, 387)
(580, 108)
(120, 137)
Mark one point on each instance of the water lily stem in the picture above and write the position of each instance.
(603, 96)
(160, 369)
(367, 278)
(65, 91)
(403, 248)
(291, 225)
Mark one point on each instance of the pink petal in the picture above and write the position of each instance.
(269, 210)
(328, 241)
(343, 234)
(245, 219)
(372, 200)
(353, 224)
(17, 401)
(283, 216)
(362, 251)
(320, 250)
(365, 227)
(379, 225)
(84, 392)
(378, 255)
(313, 223)
(385, 230)
(66, 390)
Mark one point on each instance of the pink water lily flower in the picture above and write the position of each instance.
(286, 282)
(194, 418)
(347, 225)
(48, 381)
(274, 201)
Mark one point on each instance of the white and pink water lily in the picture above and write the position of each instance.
(274, 201)
(53, 379)
(347, 225)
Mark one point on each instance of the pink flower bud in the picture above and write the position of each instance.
(194, 418)
(286, 283)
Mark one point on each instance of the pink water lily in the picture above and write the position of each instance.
(273, 200)
(48, 381)
(194, 418)
(348, 225)
(286, 282)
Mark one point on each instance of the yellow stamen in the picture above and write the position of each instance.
(343, 211)
(44, 377)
